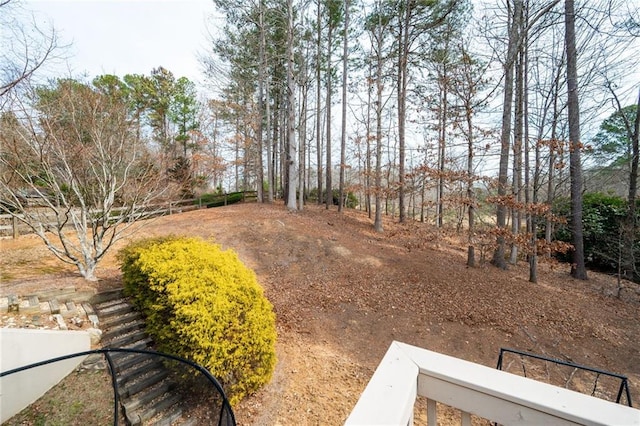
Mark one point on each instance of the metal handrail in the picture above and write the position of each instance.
(624, 381)
(225, 406)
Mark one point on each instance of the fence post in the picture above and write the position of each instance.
(14, 223)
(225, 199)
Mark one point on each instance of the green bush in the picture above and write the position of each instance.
(603, 220)
(217, 200)
(203, 304)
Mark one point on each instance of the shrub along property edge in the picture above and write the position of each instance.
(202, 303)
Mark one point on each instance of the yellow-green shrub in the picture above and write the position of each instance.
(203, 304)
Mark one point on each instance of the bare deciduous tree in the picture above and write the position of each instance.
(74, 172)
(24, 48)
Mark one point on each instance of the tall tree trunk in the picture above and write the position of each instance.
(319, 101)
(329, 198)
(368, 169)
(302, 136)
(578, 269)
(444, 106)
(471, 260)
(261, 78)
(270, 178)
(631, 266)
(378, 173)
(516, 217)
(503, 174)
(283, 144)
(275, 142)
(403, 53)
(237, 158)
(292, 157)
(532, 256)
(552, 155)
(343, 136)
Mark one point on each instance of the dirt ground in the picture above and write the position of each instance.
(342, 293)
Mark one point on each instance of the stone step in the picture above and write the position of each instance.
(107, 296)
(13, 303)
(66, 294)
(140, 344)
(30, 306)
(54, 306)
(112, 332)
(147, 396)
(55, 293)
(60, 321)
(113, 310)
(125, 360)
(88, 309)
(109, 323)
(145, 366)
(124, 341)
(144, 386)
(172, 416)
(143, 382)
(70, 309)
(109, 303)
(161, 404)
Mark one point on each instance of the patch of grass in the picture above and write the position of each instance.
(45, 270)
(6, 276)
(80, 396)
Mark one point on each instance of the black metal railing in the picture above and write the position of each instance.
(623, 389)
(194, 384)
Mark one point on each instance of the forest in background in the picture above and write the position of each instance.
(500, 120)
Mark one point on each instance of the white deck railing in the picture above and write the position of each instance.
(407, 372)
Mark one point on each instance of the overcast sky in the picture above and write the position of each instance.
(129, 36)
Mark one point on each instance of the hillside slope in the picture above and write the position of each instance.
(342, 293)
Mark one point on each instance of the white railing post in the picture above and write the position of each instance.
(466, 419)
(432, 413)
(391, 393)
(407, 371)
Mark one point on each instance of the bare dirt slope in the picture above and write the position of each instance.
(342, 293)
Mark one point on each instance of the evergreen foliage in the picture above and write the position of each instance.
(203, 304)
(604, 228)
(217, 200)
(611, 145)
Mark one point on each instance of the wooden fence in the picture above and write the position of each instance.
(10, 225)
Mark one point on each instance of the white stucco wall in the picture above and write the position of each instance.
(19, 347)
